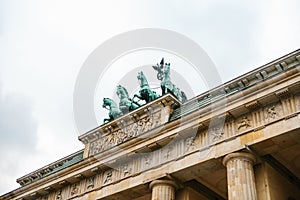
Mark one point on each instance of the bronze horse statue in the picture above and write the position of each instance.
(114, 111)
(168, 87)
(145, 92)
(126, 104)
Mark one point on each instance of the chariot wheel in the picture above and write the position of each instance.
(160, 76)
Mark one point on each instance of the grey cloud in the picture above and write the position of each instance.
(17, 126)
(18, 138)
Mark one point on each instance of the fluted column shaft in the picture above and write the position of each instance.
(163, 190)
(240, 176)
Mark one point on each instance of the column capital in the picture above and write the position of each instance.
(163, 182)
(244, 155)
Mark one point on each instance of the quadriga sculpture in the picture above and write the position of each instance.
(168, 87)
(126, 104)
(114, 111)
(145, 92)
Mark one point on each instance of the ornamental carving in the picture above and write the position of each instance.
(108, 177)
(58, 195)
(122, 135)
(244, 123)
(168, 153)
(216, 133)
(273, 112)
(147, 160)
(127, 170)
(190, 143)
(74, 189)
(90, 183)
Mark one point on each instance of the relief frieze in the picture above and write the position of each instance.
(74, 189)
(244, 123)
(90, 183)
(108, 176)
(147, 160)
(58, 196)
(273, 112)
(124, 134)
(216, 133)
(190, 144)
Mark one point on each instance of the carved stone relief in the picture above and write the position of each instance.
(147, 160)
(97, 146)
(122, 135)
(74, 189)
(131, 130)
(126, 170)
(90, 183)
(273, 112)
(168, 152)
(244, 123)
(107, 176)
(190, 144)
(216, 133)
(145, 124)
(58, 195)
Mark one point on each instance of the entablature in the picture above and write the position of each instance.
(130, 126)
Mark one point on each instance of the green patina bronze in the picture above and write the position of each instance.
(126, 103)
(159, 68)
(145, 92)
(168, 87)
(114, 111)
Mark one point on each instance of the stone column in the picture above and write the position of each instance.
(240, 176)
(163, 190)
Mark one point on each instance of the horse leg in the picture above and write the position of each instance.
(138, 96)
(162, 90)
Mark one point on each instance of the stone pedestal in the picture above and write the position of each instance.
(240, 176)
(163, 190)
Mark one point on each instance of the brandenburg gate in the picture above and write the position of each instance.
(238, 141)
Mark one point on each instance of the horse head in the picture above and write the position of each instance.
(119, 88)
(122, 92)
(166, 72)
(167, 68)
(140, 75)
(142, 79)
(106, 102)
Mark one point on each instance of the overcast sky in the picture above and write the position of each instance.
(43, 45)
